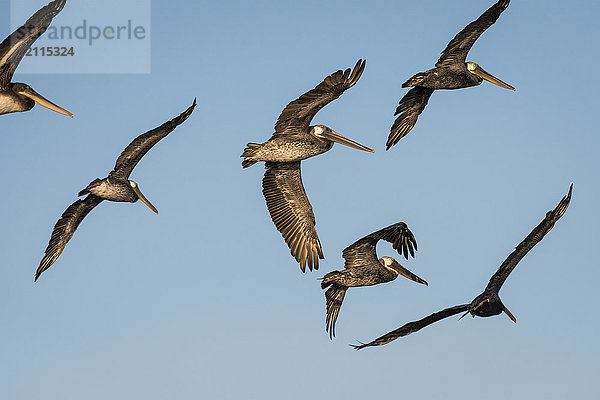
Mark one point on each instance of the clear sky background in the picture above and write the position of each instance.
(204, 301)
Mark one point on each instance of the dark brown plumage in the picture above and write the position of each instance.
(488, 303)
(64, 229)
(295, 140)
(17, 97)
(115, 187)
(451, 72)
(362, 268)
(291, 212)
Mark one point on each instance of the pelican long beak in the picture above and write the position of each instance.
(336, 137)
(510, 315)
(44, 102)
(462, 316)
(491, 78)
(144, 199)
(407, 274)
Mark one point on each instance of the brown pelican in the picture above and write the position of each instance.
(295, 140)
(487, 303)
(115, 187)
(362, 268)
(451, 72)
(16, 97)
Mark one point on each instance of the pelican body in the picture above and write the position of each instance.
(362, 268)
(452, 77)
(115, 187)
(295, 140)
(19, 97)
(452, 72)
(368, 274)
(112, 189)
(488, 303)
(295, 148)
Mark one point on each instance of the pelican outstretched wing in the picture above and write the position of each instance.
(458, 48)
(334, 297)
(411, 106)
(291, 212)
(363, 251)
(536, 235)
(64, 229)
(414, 326)
(14, 47)
(141, 144)
(296, 116)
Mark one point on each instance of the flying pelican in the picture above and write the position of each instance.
(362, 268)
(488, 303)
(295, 140)
(451, 72)
(17, 97)
(115, 187)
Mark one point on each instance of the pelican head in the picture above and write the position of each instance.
(487, 305)
(30, 98)
(329, 135)
(394, 266)
(391, 264)
(480, 72)
(140, 196)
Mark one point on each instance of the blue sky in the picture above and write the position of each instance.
(204, 300)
